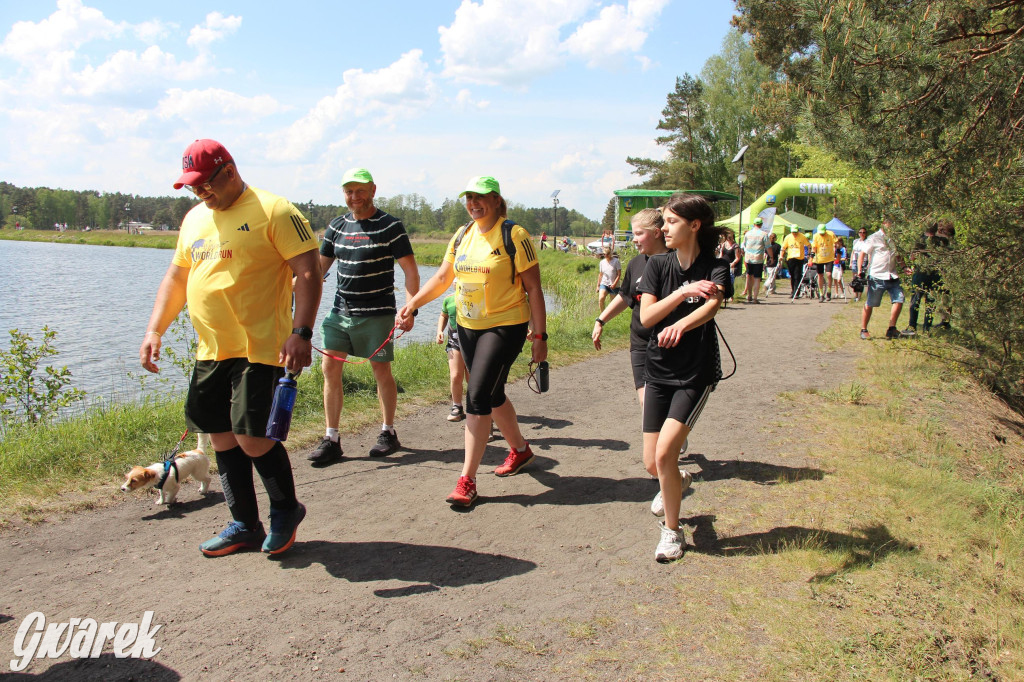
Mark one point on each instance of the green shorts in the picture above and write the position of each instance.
(359, 336)
(231, 395)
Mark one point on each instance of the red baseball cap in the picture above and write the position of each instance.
(200, 160)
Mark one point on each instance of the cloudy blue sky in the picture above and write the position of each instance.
(542, 94)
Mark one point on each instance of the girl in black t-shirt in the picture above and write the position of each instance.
(680, 293)
(649, 241)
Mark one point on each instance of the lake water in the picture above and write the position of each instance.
(98, 300)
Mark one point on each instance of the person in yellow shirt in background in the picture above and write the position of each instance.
(794, 251)
(823, 250)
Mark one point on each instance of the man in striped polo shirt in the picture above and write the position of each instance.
(365, 242)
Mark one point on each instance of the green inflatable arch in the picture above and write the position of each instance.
(782, 190)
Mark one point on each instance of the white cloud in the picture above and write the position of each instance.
(464, 100)
(217, 26)
(214, 104)
(498, 143)
(618, 29)
(71, 26)
(59, 58)
(401, 89)
(645, 62)
(506, 42)
(127, 71)
(150, 31)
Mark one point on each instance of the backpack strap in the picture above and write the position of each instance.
(510, 246)
(460, 234)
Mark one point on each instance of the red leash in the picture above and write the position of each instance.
(391, 336)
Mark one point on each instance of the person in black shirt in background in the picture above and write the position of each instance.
(680, 293)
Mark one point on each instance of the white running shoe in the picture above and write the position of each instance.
(658, 505)
(671, 545)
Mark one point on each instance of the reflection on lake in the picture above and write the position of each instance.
(98, 300)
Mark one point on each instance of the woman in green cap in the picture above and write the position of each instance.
(498, 300)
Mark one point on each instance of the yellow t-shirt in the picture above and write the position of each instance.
(824, 247)
(239, 282)
(793, 245)
(485, 294)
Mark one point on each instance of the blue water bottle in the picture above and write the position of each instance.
(281, 410)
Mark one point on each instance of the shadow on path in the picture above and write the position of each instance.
(106, 668)
(863, 547)
(758, 472)
(430, 567)
(543, 422)
(178, 510)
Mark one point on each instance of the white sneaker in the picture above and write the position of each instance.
(658, 505)
(686, 446)
(671, 545)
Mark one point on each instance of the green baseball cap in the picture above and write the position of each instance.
(758, 221)
(821, 228)
(481, 184)
(356, 175)
(794, 228)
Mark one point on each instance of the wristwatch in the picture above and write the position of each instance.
(599, 321)
(543, 336)
(303, 332)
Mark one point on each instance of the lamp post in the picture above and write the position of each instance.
(309, 215)
(128, 217)
(14, 212)
(740, 179)
(554, 217)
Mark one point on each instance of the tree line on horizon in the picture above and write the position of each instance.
(42, 208)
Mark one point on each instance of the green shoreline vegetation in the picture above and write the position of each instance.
(153, 240)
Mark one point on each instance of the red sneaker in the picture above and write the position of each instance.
(464, 494)
(514, 462)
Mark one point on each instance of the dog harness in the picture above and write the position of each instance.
(170, 463)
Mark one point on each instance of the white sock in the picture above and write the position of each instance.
(390, 428)
(458, 405)
(333, 435)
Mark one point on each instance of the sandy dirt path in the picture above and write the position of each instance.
(550, 576)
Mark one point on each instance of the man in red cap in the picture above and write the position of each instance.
(233, 266)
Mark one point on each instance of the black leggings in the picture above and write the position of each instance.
(796, 272)
(489, 354)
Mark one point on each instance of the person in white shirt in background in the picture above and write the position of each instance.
(883, 266)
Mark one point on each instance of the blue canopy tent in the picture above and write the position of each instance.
(838, 228)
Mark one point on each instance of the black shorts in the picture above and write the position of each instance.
(821, 267)
(231, 395)
(637, 358)
(755, 270)
(662, 402)
(489, 354)
(452, 339)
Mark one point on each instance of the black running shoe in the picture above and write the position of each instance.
(387, 443)
(327, 452)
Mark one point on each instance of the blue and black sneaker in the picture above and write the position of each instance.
(236, 537)
(283, 524)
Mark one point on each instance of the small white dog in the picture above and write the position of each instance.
(193, 463)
